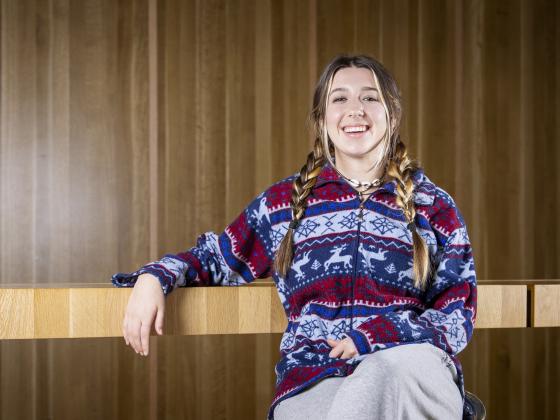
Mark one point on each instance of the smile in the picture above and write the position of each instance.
(355, 128)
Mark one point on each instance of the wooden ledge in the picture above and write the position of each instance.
(97, 310)
(545, 305)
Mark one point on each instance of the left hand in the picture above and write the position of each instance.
(344, 347)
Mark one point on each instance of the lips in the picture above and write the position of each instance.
(355, 128)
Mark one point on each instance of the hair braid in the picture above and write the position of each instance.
(302, 186)
(401, 168)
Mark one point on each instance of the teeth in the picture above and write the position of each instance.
(361, 128)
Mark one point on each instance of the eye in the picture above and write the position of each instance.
(339, 99)
(370, 99)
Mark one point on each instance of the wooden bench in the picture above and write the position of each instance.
(96, 310)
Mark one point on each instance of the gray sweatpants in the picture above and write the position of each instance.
(409, 381)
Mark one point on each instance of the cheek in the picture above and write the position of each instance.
(332, 117)
(377, 112)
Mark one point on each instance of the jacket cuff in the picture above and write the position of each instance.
(360, 341)
(129, 279)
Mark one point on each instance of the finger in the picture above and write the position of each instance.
(145, 329)
(332, 343)
(347, 354)
(159, 320)
(134, 334)
(145, 338)
(335, 352)
(124, 331)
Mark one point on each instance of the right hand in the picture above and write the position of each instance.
(146, 302)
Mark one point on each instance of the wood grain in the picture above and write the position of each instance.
(545, 305)
(501, 306)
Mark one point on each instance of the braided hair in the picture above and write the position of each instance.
(395, 160)
(302, 186)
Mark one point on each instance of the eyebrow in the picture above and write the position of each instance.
(341, 88)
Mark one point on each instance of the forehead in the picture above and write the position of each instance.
(352, 76)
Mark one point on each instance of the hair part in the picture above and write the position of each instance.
(395, 160)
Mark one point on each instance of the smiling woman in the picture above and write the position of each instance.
(356, 123)
(371, 260)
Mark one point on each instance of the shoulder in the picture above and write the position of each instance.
(440, 207)
(280, 192)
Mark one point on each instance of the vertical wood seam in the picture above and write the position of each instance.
(459, 75)
(153, 162)
(312, 56)
(153, 122)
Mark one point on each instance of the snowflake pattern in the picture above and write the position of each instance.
(464, 236)
(309, 327)
(436, 317)
(339, 329)
(288, 340)
(349, 221)
(382, 225)
(308, 227)
(277, 237)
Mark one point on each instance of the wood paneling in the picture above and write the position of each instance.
(121, 141)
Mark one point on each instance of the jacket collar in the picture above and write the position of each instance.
(424, 191)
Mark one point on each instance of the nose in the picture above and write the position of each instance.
(356, 108)
(357, 112)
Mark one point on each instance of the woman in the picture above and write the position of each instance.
(371, 260)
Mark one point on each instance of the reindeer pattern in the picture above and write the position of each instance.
(387, 259)
(384, 246)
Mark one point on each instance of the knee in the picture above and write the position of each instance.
(388, 365)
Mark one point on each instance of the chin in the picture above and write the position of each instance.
(354, 156)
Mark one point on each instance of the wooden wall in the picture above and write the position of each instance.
(130, 127)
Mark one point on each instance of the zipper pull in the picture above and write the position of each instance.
(361, 215)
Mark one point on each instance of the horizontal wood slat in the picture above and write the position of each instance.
(98, 310)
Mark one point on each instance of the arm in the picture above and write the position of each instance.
(451, 300)
(237, 256)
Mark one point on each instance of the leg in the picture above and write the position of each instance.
(310, 404)
(409, 381)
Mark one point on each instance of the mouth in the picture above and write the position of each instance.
(355, 130)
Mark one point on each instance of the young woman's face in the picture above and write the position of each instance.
(355, 116)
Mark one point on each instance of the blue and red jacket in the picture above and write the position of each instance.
(351, 274)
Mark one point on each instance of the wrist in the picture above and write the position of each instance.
(147, 278)
(152, 277)
(360, 341)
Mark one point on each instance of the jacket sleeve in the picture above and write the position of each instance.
(449, 319)
(237, 256)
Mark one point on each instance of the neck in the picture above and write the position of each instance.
(359, 169)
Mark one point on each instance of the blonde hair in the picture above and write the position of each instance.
(395, 160)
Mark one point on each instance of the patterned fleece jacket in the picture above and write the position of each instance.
(351, 274)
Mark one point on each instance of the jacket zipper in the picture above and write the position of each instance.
(360, 218)
(356, 262)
